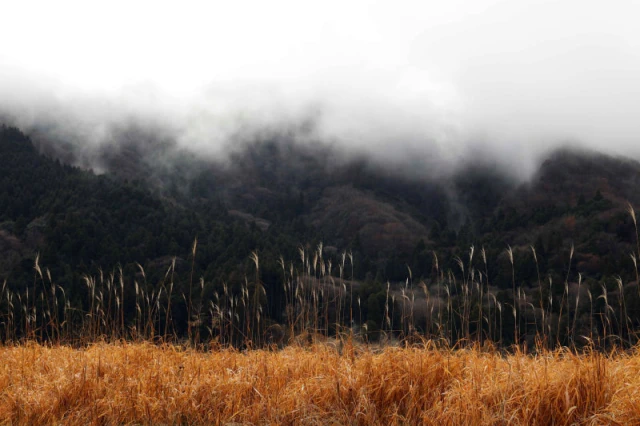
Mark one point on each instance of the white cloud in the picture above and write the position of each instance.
(395, 78)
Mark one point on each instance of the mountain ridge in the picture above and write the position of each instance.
(275, 186)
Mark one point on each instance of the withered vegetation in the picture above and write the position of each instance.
(141, 383)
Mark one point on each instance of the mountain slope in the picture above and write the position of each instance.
(274, 194)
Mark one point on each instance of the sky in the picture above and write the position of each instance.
(422, 81)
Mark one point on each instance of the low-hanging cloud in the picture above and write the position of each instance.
(434, 83)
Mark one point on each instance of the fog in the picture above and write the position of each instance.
(429, 84)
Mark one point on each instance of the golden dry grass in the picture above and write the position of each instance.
(146, 384)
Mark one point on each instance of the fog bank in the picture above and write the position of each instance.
(429, 84)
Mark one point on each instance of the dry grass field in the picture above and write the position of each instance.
(101, 363)
(141, 383)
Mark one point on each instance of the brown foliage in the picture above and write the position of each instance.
(148, 384)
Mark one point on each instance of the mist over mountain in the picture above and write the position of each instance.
(152, 199)
(421, 86)
(346, 200)
(405, 136)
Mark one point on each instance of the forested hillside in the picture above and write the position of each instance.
(284, 200)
